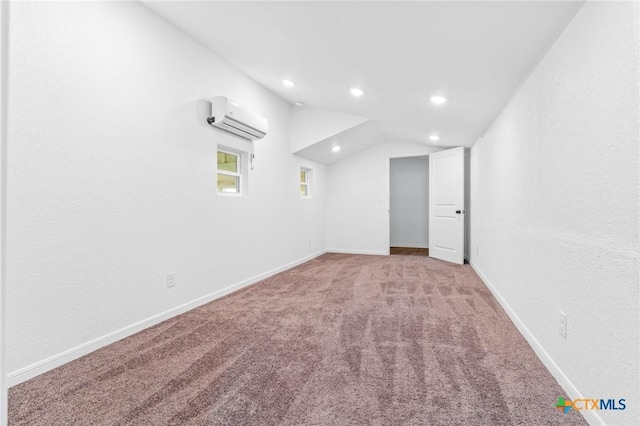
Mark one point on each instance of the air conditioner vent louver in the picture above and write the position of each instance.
(233, 118)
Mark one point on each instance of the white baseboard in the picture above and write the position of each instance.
(54, 361)
(348, 251)
(572, 392)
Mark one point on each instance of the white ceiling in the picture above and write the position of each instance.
(475, 53)
(353, 140)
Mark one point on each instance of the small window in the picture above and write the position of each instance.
(305, 182)
(229, 172)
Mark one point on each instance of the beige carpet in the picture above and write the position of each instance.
(340, 340)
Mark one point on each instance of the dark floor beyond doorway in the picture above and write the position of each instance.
(340, 340)
(409, 251)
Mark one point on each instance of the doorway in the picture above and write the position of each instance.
(409, 205)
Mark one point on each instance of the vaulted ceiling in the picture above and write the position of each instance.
(399, 53)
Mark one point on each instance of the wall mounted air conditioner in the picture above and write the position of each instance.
(234, 118)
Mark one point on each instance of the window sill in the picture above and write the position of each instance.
(231, 195)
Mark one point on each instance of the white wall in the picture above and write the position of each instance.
(358, 198)
(4, 80)
(112, 180)
(409, 200)
(554, 197)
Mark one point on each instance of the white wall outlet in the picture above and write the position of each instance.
(171, 279)
(563, 325)
(477, 250)
(309, 243)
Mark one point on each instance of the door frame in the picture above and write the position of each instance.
(388, 221)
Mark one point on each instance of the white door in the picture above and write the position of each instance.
(446, 205)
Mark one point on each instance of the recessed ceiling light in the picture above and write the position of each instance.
(438, 100)
(299, 104)
(288, 83)
(434, 137)
(356, 92)
(335, 148)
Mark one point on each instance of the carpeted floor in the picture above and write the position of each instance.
(340, 340)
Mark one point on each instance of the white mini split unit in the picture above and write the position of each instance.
(234, 118)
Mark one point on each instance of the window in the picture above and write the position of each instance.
(229, 172)
(305, 182)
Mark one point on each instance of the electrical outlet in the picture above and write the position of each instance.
(309, 243)
(563, 325)
(477, 250)
(171, 279)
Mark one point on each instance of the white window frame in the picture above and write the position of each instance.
(237, 174)
(308, 174)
